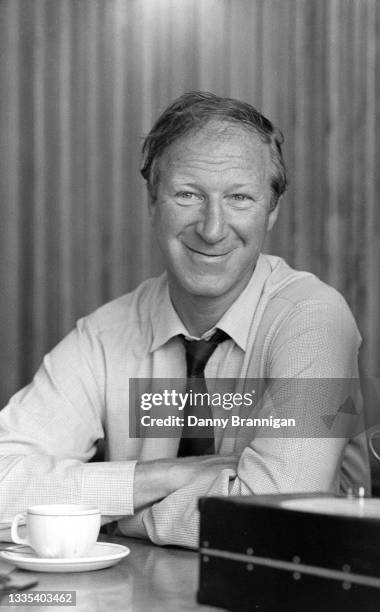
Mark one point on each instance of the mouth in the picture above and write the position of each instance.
(208, 254)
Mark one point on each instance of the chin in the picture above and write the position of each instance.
(206, 288)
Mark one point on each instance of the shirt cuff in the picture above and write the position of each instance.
(109, 486)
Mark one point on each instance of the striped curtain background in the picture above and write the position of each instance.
(81, 82)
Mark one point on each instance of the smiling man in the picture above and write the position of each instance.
(211, 213)
(222, 312)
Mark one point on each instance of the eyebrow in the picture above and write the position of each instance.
(241, 185)
(185, 182)
(192, 183)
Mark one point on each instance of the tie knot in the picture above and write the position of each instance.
(198, 352)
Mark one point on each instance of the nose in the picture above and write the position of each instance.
(211, 227)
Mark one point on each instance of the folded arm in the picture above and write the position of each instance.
(49, 432)
(317, 350)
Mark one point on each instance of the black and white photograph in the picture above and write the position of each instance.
(190, 305)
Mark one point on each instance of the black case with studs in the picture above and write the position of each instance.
(257, 555)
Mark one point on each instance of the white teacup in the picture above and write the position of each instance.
(59, 530)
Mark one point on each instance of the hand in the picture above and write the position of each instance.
(156, 479)
(185, 469)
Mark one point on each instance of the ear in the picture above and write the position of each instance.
(272, 217)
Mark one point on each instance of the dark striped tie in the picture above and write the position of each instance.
(198, 352)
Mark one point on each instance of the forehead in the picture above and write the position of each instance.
(217, 147)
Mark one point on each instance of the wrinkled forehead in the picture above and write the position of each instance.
(217, 143)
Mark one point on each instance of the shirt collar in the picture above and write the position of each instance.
(166, 322)
(235, 322)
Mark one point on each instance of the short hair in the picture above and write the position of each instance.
(192, 111)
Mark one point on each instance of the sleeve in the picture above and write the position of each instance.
(317, 343)
(48, 434)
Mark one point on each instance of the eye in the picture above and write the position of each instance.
(188, 197)
(241, 200)
(240, 197)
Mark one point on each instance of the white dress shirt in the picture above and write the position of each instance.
(284, 325)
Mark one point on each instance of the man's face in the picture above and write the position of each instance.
(211, 213)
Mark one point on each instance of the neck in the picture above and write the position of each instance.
(199, 313)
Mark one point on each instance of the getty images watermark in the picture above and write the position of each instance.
(171, 398)
(246, 408)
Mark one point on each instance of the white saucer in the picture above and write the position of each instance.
(102, 555)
